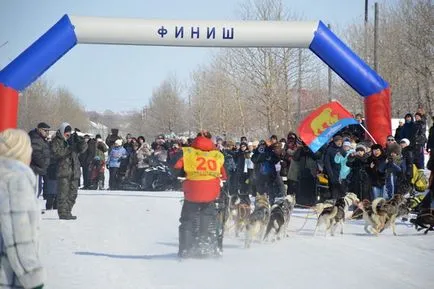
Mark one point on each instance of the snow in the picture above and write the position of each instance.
(129, 240)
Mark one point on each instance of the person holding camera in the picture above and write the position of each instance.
(265, 161)
(66, 147)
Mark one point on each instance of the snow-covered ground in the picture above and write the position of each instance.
(129, 240)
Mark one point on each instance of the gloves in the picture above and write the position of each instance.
(107, 166)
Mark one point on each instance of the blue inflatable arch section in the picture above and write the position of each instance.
(314, 35)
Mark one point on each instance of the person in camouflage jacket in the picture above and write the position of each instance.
(66, 148)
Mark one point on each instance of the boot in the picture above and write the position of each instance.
(186, 244)
(55, 203)
(67, 217)
(49, 203)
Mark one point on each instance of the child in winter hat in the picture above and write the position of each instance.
(15, 144)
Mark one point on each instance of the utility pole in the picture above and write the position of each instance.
(330, 77)
(299, 87)
(376, 37)
(365, 52)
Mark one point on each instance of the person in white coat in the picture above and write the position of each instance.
(20, 264)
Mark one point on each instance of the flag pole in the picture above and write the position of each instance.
(368, 133)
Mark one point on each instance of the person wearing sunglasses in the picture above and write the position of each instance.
(41, 152)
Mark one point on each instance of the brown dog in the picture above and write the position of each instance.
(372, 219)
(389, 210)
(242, 217)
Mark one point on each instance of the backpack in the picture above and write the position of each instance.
(419, 180)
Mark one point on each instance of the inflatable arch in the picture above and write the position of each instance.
(71, 30)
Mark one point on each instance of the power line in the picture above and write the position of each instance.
(4, 44)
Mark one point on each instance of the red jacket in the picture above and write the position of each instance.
(201, 191)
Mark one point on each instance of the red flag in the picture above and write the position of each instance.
(318, 127)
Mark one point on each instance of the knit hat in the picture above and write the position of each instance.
(15, 144)
(346, 144)
(405, 140)
(118, 142)
(360, 147)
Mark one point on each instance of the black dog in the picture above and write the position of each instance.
(279, 218)
(425, 220)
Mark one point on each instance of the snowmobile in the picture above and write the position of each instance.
(159, 177)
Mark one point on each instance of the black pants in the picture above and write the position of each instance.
(233, 183)
(198, 229)
(243, 183)
(338, 190)
(114, 179)
(86, 176)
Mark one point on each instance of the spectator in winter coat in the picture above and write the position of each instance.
(243, 157)
(419, 141)
(20, 265)
(377, 177)
(360, 183)
(341, 158)
(430, 150)
(98, 162)
(332, 168)
(390, 142)
(229, 152)
(407, 158)
(291, 147)
(408, 130)
(203, 165)
(66, 148)
(356, 130)
(50, 185)
(133, 162)
(41, 152)
(394, 169)
(265, 161)
(398, 131)
(116, 155)
(110, 140)
(85, 159)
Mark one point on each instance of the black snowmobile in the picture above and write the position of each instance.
(159, 177)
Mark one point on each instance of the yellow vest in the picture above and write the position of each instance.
(201, 165)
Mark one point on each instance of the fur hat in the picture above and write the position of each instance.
(15, 144)
(360, 147)
(394, 148)
(118, 142)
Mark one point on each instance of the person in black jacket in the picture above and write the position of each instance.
(407, 157)
(41, 152)
(360, 183)
(242, 172)
(430, 150)
(408, 130)
(419, 141)
(265, 161)
(377, 178)
(332, 168)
